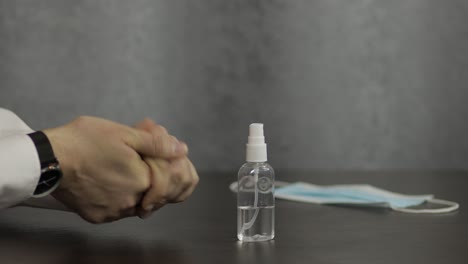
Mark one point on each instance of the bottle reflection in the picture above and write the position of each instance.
(248, 252)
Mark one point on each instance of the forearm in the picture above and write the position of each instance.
(20, 169)
(19, 163)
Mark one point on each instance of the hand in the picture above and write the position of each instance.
(172, 180)
(104, 176)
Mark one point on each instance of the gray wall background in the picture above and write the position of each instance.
(339, 84)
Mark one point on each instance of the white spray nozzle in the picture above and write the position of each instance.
(256, 134)
(256, 147)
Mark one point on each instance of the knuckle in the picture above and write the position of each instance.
(186, 182)
(145, 181)
(165, 196)
(196, 180)
(158, 129)
(128, 203)
(178, 165)
(155, 196)
(129, 154)
(81, 121)
(177, 177)
(138, 179)
(131, 166)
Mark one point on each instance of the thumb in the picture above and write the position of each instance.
(152, 140)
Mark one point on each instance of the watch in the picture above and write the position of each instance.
(51, 174)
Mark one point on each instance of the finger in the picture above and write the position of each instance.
(156, 144)
(165, 185)
(194, 182)
(146, 124)
(143, 214)
(156, 195)
(150, 126)
(177, 192)
(181, 179)
(141, 170)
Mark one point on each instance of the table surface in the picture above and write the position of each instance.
(203, 229)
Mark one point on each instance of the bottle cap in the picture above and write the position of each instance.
(256, 148)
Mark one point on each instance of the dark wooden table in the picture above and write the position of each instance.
(203, 229)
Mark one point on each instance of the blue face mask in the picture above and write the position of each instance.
(360, 195)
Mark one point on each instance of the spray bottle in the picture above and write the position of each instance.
(255, 196)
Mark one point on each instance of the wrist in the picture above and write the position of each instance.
(57, 140)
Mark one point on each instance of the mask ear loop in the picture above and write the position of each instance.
(452, 206)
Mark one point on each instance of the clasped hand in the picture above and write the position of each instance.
(112, 171)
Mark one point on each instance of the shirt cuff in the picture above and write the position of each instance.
(20, 169)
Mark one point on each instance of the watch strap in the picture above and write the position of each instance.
(50, 167)
(44, 148)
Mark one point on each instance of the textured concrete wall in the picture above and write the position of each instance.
(338, 84)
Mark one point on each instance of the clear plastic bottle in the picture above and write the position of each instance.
(255, 197)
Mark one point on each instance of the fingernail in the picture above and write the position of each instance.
(149, 208)
(181, 148)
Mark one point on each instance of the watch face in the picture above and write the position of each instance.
(49, 180)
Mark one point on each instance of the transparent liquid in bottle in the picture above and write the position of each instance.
(255, 203)
(262, 229)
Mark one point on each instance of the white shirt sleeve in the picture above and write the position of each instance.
(20, 168)
(19, 163)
